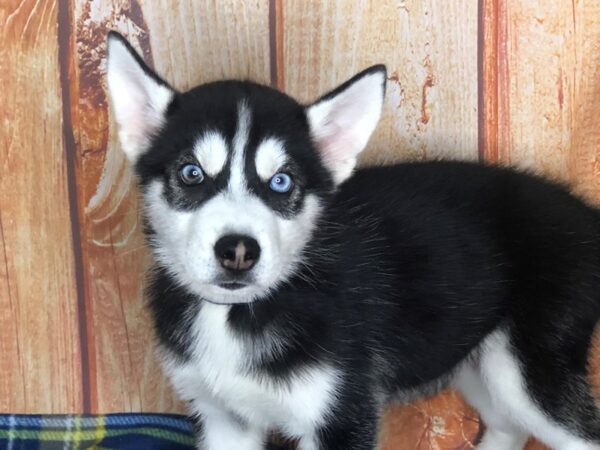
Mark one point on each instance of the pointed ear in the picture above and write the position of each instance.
(140, 98)
(342, 121)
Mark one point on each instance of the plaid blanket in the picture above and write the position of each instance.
(101, 432)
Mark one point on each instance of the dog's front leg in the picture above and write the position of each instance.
(220, 430)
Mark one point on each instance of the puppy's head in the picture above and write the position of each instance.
(234, 174)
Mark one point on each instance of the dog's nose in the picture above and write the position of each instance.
(236, 252)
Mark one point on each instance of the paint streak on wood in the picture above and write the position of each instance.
(124, 374)
(276, 28)
(502, 154)
(488, 80)
(430, 49)
(40, 368)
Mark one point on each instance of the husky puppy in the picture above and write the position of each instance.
(295, 294)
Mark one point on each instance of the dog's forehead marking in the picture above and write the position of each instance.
(237, 179)
(211, 152)
(270, 157)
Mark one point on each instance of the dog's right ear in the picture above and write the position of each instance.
(342, 121)
(140, 98)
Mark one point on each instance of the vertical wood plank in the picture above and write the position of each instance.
(552, 90)
(188, 44)
(430, 49)
(119, 349)
(40, 367)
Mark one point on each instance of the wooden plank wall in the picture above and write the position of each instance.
(506, 81)
(40, 356)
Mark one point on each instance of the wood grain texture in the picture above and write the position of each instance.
(549, 72)
(40, 368)
(430, 49)
(193, 43)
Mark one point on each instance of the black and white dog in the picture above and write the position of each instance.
(292, 294)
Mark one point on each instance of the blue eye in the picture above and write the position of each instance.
(281, 183)
(191, 174)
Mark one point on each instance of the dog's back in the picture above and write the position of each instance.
(510, 259)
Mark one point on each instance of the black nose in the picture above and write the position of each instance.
(236, 252)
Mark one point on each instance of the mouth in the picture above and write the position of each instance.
(231, 291)
(232, 286)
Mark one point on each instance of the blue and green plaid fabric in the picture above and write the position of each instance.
(101, 432)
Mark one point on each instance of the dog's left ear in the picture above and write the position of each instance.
(341, 122)
(140, 98)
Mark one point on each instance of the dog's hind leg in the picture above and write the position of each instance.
(501, 433)
(502, 376)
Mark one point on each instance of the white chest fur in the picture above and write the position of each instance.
(216, 379)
